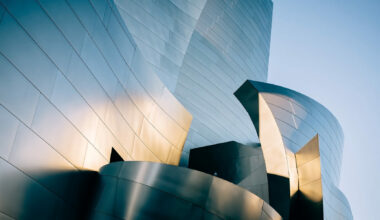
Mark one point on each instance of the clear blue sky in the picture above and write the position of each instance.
(330, 50)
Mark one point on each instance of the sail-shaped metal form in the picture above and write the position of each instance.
(287, 123)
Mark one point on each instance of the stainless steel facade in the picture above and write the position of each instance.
(149, 80)
(146, 190)
(230, 44)
(74, 85)
(243, 165)
(203, 50)
(286, 121)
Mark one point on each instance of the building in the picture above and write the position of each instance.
(87, 82)
(301, 141)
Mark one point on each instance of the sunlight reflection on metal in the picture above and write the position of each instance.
(309, 170)
(297, 119)
(175, 193)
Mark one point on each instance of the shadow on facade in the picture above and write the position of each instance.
(57, 195)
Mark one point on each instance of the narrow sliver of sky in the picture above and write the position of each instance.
(330, 51)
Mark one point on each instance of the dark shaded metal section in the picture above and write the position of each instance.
(115, 156)
(145, 190)
(279, 194)
(308, 201)
(294, 179)
(275, 156)
(61, 195)
(240, 164)
(249, 98)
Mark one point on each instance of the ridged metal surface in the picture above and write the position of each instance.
(229, 45)
(203, 50)
(74, 85)
(286, 120)
(145, 190)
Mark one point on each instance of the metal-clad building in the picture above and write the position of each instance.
(203, 51)
(286, 121)
(87, 82)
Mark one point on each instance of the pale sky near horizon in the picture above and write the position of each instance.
(330, 51)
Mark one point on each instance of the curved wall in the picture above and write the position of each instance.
(243, 165)
(229, 45)
(162, 31)
(298, 118)
(203, 51)
(145, 190)
(74, 85)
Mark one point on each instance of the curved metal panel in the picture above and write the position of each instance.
(229, 45)
(135, 190)
(74, 85)
(162, 31)
(89, 85)
(202, 51)
(240, 164)
(294, 119)
(307, 203)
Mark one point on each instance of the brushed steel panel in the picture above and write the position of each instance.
(104, 139)
(146, 76)
(155, 141)
(94, 160)
(98, 66)
(166, 125)
(66, 21)
(151, 190)
(74, 107)
(62, 136)
(85, 13)
(175, 109)
(35, 21)
(16, 92)
(22, 198)
(87, 85)
(136, 195)
(143, 153)
(106, 194)
(119, 127)
(139, 96)
(39, 70)
(248, 206)
(174, 156)
(37, 159)
(128, 109)
(121, 39)
(8, 128)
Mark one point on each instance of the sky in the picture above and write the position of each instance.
(330, 51)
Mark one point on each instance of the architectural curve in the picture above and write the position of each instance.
(87, 82)
(151, 190)
(74, 86)
(240, 164)
(286, 120)
(229, 45)
(203, 51)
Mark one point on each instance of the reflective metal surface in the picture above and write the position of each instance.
(240, 164)
(203, 51)
(145, 190)
(229, 44)
(81, 77)
(286, 121)
(74, 85)
(308, 201)
(89, 80)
